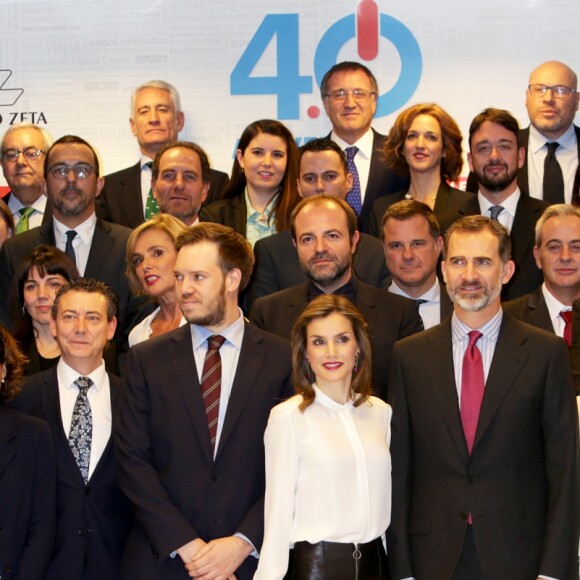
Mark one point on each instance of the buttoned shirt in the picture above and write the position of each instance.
(81, 242)
(430, 311)
(145, 180)
(259, 225)
(510, 205)
(39, 206)
(554, 308)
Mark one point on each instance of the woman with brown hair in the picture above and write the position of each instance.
(328, 466)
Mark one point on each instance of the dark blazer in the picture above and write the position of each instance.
(231, 212)
(92, 520)
(527, 276)
(389, 318)
(448, 199)
(28, 492)
(121, 201)
(277, 266)
(46, 217)
(165, 465)
(531, 308)
(520, 481)
(106, 263)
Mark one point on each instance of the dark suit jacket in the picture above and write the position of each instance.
(527, 276)
(231, 212)
(28, 492)
(46, 217)
(448, 199)
(520, 481)
(121, 201)
(165, 465)
(531, 308)
(277, 266)
(389, 318)
(92, 520)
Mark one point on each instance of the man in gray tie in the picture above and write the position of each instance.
(77, 398)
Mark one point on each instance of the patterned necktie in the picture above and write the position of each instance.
(23, 224)
(69, 250)
(81, 427)
(494, 211)
(353, 197)
(553, 178)
(567, 316)
(151, 207)
(211, 382)
(472, 387)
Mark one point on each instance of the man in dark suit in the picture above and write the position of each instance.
(193, 466)
(484, 433)
(156, 119)
(557, 253)
(77, 398)
(412, 243)
(349, 92)
(72, 183)
(495, 157)
(23, 149)
(324, 230)
(321, 169)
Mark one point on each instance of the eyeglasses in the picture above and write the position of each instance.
(559, 91)
(61, 171)
(30, 153)
(357, 94)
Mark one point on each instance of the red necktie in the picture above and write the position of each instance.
(472, 386)
(211, 381)
(567, 316)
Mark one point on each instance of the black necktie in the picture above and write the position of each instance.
(553, 178)
(81, 427)
(69, 250)
(494, 211)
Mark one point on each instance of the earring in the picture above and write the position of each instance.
(23, 311)
(356, 367)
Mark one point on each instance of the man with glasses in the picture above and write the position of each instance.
(22, 151)
(350, 93)
(72, 183)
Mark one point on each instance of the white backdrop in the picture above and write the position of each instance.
(70, 66)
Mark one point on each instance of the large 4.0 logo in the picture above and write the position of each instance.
(368, 26)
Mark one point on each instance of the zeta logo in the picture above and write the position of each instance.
(8, 97)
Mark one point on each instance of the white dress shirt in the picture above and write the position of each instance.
(554, 308)
(99, 395)
(142, 331)
(430, 311)
(36, 218)
(566, 154)
(81, 242)
(145, 180)
(328, 476)
(510, 205)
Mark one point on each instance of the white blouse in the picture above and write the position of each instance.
(142, 331)
(328, 476)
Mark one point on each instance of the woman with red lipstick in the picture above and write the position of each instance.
(151, 257)
(328, 466)
(262, 191)
(40, 276)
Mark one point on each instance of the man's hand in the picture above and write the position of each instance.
(189, 550)
(219, 559)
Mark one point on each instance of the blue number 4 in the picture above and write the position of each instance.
(287, 84)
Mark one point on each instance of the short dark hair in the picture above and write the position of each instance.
(497, 116)
(321, 200)
(472, 224)
(15, 363)
(234, 250)
(203, 158)
(69, 140)
(321, 307)
(89, 286)
(347, 66)
(319, 145)
(408, 208)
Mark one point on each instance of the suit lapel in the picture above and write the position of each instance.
(522, 234)
(100, 250)
(523, 139)
(539, 314)
(130, 196)
(366, 304)
(7, 434)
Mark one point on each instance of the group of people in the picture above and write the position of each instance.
(330, 366)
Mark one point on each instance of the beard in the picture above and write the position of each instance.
(327, 276)
(71, 207)
(214, 311)
(474, 302)
(499, 182)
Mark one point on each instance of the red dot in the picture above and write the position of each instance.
(313, 112)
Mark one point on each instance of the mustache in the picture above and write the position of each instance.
(326, 255)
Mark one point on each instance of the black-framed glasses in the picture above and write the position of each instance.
(61, 171)
(341, 94)
(30, 153)
(559, 91)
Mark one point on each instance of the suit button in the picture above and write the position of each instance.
(471, 478)
(1, 531)
(81, 532)
(463, 515)
(215, 477)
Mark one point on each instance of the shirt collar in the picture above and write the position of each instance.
(325, 400)
(67, 375)
(567, 140)
(84, 231)
(15, 205)
(490, 329)
(432, 295)
(364, 143)
(553, 304)
(252, 213)
(510, 204)
(234, 333)
(145, 160)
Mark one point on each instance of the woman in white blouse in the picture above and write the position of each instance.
(151, 258)
(328, 466)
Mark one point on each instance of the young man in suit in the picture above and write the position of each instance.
(77, 399)
(413, 243)
(190, 441)
(156, 120)
(349, 93)
(325, 235)
(484, 433)
(321, 169)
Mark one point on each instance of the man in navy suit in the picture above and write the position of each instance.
(193, 466)
(93, 517)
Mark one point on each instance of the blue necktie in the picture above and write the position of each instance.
(353, 197)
